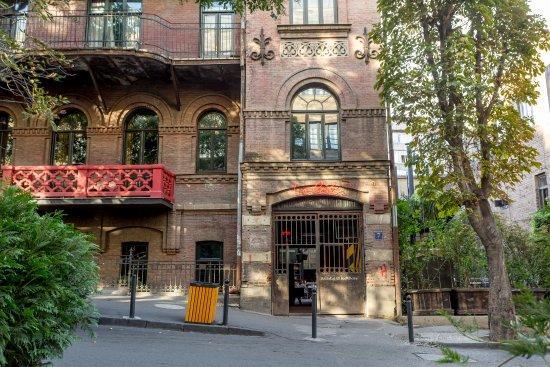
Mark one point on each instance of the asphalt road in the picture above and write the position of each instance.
(135, 347)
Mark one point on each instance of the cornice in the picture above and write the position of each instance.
(104, 130)
(314, 167)
(312, 31)
(31, 131)
(364, 112)
(267, 114)
(202, 179)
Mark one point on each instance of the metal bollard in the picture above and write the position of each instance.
(408, 303)
(225, 302)
(133, 285)
(314, 313)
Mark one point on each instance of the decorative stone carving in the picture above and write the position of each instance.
(314, 49)
(264, 54)
(366, 53)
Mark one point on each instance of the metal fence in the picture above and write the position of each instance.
(164, 276)
(127, 31)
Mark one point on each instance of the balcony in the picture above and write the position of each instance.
(95, 184)
(148, 35)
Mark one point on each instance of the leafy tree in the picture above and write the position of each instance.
(47, 272)
(452, 72)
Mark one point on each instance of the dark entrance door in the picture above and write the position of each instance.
(134, 257)
(323, 248)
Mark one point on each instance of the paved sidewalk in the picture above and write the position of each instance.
(336, 329)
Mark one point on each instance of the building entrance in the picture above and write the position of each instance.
(318, 243)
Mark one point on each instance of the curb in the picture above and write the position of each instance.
(473, 345)
(175, 326)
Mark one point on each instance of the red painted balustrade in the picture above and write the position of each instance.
(93, 181)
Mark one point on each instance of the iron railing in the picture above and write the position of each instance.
(142, 32)
(164, 276)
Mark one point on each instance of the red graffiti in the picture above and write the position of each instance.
(286, 233)
(320, 188)
(383, 270)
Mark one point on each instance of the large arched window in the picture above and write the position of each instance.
(212, 142)
(141, 137)
(69, 138)
(6, 138)
(315, 132)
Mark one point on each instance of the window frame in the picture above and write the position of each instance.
(199, 129)
(125, 13)
(541, 202)
(305, 20)
(141, 136)
(6, 131)
(71, 133)
(307, 113)
(218, 30)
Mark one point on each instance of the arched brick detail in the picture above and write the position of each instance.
(125, 105)
(211, 102)
(118, 235)
(94, 116)
(16, 113)
(318, 191)
(333, 81)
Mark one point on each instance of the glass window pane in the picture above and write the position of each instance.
(299, 147)
(329, 13)
(209, 251)
(218, 142)
(61, 149)
(332, 144)
(150, 147)
(133, 143)
(71, 120)
(315, 137)
(313, 12)
(217, 6)
(134, 6)
(226, 35)
(212, 120)
(142, 119)
(298, 11)
(79, 149)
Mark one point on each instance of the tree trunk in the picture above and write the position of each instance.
(501, 307)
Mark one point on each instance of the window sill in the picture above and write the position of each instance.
(309, 31)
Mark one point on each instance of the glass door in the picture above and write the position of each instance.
(114, 23)
(217, 31)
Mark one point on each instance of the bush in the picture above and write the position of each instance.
(442, 250)
(47, 272)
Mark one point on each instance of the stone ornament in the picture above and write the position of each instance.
(264, 54)
(366, 53)
(314, 49)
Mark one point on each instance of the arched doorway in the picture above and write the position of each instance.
(318, 242)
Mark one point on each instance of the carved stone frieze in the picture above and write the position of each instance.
(321, 48)
(202, 179)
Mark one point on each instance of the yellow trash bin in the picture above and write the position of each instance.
(201, 303)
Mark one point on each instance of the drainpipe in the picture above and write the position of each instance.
(241, 151)
(393, 198)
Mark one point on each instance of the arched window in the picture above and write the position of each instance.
(69, 138)
(141, 137)
(315, 132)
(6, 138)
(212, 142)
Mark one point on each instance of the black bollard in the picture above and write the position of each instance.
(314, 313)
(133, 285)
(225, 302)
(408, 303)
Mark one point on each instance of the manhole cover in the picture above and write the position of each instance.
(169, 306)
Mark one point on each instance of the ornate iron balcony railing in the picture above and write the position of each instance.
(147, 33)
(93, 181)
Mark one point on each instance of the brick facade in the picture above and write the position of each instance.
(256, 98)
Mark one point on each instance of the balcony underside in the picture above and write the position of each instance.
(131, 203)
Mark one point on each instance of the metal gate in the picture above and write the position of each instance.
(332, 242)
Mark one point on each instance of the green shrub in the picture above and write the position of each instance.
(441, 250)
(47, 271)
